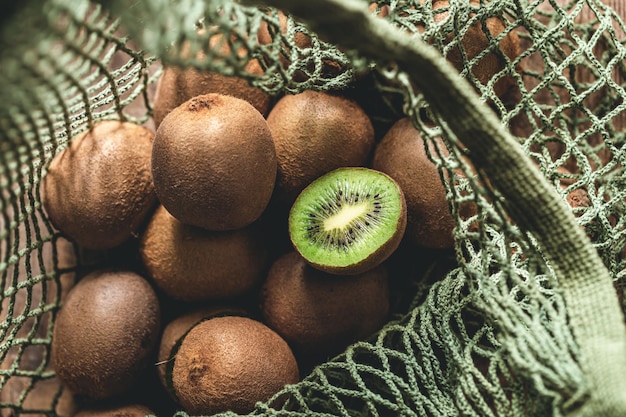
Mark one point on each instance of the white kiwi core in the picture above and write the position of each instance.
(345, 215)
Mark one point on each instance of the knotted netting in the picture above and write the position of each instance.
(528, 322)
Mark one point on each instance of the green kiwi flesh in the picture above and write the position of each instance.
(348, 221)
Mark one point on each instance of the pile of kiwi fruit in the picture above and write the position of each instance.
(248, 239)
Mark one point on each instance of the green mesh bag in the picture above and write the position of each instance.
(530, 320)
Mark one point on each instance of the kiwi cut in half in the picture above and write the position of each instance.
(348, 221)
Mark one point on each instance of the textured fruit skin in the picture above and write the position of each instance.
(115, 410)
(172, 332)
(98, 190)
(315, 133)
(230, 363)
(193, 264)
(401, 155)
(180, 325)
(177, 85)
(214, 162)
(106, 333)
(318, 313)
(475, 41)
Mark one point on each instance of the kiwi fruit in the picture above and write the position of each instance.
(402, 155)
(475, 41)
(348, 221)
(214, 162)
(189, 263)
(319, 314)
(177, 85)
(98, 190)
(105, 334)
(230, 363)
(115, 410)
(298, 64)
(577, 198)
(314, 133)
(177, 327)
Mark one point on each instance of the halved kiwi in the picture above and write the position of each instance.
(348, 221)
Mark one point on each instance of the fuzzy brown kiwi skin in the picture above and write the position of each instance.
(115, 410)
(320, 314)
(214, 162)
(315, 133)
(99, 190)
(105, 334)
(177, 328)
(402, 156)
(228, 364)
(475, 41)
(191, 264)
(177, 85)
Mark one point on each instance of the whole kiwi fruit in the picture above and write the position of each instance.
(98, 190)
(229, 364)
(315, 132)
(214, 162)
(298, 64)
(319, 314)
(106, 333)
(348, 221)
(190, 263)
(402, 155)
(177, 327)
(475, 41)
(177, 85)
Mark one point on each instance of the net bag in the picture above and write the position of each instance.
(529, 321)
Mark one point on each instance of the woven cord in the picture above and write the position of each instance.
(595, 317)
